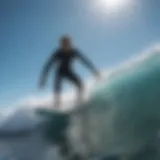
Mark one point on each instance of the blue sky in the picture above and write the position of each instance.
(30, 29)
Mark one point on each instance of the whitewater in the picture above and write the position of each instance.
(122, 118)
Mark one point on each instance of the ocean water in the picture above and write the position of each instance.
(122, 117)
(132, 120)
(120, 120)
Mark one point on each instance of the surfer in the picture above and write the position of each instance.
(63, 57)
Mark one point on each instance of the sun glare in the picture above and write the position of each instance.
(113, 6)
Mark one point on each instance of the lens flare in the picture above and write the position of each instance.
(113, 6)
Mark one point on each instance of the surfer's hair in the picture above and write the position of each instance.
(65, 38)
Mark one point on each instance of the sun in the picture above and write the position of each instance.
(112, 6)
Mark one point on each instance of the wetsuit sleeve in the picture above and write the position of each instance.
(86, 61)
(50, 62)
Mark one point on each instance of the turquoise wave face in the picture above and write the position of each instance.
(132, 119)
(134, 95)
(123, 113)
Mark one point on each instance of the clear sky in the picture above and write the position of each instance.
(29, 31)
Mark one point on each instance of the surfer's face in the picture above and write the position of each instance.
(66, 43)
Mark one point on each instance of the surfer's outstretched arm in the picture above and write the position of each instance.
(87, 62)
(46, 69)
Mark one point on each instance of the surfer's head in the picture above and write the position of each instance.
(66, 42)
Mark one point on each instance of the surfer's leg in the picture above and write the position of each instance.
(75, 79)
(57, 90)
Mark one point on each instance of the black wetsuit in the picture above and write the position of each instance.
(64, 70)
